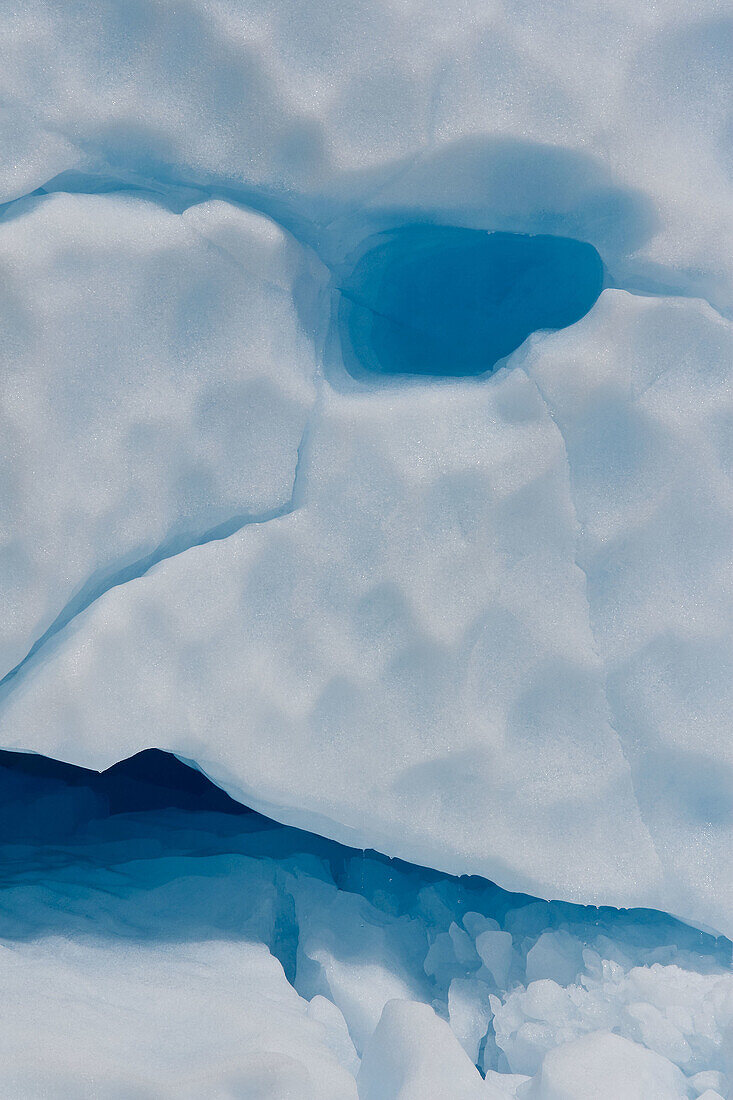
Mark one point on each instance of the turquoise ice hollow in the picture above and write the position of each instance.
(440, 300)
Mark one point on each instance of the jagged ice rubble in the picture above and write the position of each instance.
(367, 436)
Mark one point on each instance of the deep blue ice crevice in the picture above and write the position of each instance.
(150, 852)
(447, 301)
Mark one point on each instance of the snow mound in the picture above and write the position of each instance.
(154, 1021)
(605, 1066)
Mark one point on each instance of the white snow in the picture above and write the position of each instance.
(606, 1067)
(413, 1054)
(156, 382)
(105, 1020)
(642, 392)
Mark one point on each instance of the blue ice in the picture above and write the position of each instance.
(150, 853)
(440, 300)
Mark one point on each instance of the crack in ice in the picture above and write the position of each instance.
(610, 712)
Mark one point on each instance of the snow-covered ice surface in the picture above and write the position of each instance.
(156, 385)
(611, 122)
(494, 636)
(407, 535)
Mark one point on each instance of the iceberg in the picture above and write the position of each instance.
(367, 638)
